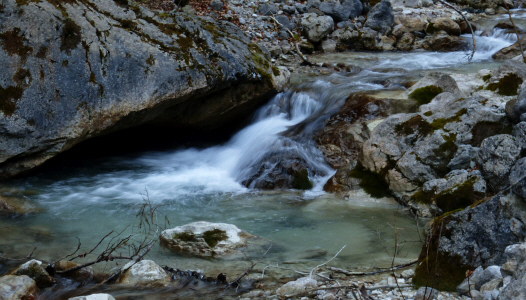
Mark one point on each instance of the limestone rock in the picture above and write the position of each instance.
(518, 178)
(507, 80)
(342, 12)
(517, 107)
(441, 41)
(145, 273)
(328, 45)
(431, 85)
(94, 297)
(411, 3)
(496, 157)
(35, 271)
(516, 288)
(510, 51)
(405, 42)
(381, 17)
(519, 132)
(481, 4)
(17, 287)
(191, 72)
(316, 27)
(293, 287)
(206, 239)
(445, 24)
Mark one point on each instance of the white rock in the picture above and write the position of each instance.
(94, 297)
(191, 237)
(145, 273)
(17, 287)
(408, 273)
(297, 286)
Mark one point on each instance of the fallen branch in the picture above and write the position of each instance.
(19, 259)
(310, 275)
(352, 287)
(469, 24)
(351, 273)
(303, 57)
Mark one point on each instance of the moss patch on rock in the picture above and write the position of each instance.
(301, 181)
(458, 197)
(14, 43)
(372, 183)
(425, 94)
(416, 124)
(507, 85)
(70, 37)
(8, 99)
(483, 130)
(185, 237)
(434, 268)
(213, 237)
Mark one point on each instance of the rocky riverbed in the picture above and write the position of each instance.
(444, 138)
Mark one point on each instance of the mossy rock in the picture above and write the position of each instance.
(372, 183)
(459, 196)
(301, 181)
(213, 237)
(416, 124)
(185, 237)
(14, 43)
(425, 94)
(8, 99)
(435, 269)
(507, 85)
(71, 36)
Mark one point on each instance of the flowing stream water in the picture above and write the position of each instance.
(88, 200)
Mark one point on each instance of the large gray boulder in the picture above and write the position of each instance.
(515, 267)
(381, 17)
(468, 239)
(496, 157)
(518, 178)
(348, 9)
(79, 69)
(316, 27)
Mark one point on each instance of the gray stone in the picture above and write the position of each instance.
(145, 273)
(301, 8)
(328, 46)
(408, 273)
(268, 9)
(80, 94)
(296, 286)
(445, 24)
(316, 27)
(35, 271)
(381, 17)
(519, 132)
(436, 79)
(519, 106)
(469, 284)
(492, 285)
(313, 3)
(496, 157)
(518, 178)
(289, 9)
(516, 266)
(284, 21)
(426, 293)
(464, 158)
(216, 5)
(442, 41)
(342, 12)
(275, 51)
(17, 287)
(405, 42)
(489, 274)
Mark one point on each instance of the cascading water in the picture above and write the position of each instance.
(217, 183)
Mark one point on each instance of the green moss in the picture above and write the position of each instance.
(486, 78)
(128, 24)
(8, 98)
(507, 85)
(301, 181)
(185, 236)
(70, 37)
(458, 197)
(25, 2)
(14, 44)
(428, 113)
(213, 237)
(42, 51)
(185, 42)
(372, 183)
(275, 71)
(123, 3)
(423, 197)
(430, 29)
(425, 94)
(65, 63)
(434, 268)
(483, 130)
(416, 124)
(441, 122)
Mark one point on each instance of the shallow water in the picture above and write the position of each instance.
(93, 197)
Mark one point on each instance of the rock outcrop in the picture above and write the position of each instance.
(78, 69)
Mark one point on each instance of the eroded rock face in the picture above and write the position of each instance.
(206, 239)
(72, 71)
(17, 287)
(475, 236)
(145, 273)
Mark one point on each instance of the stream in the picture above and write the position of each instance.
(204, 183)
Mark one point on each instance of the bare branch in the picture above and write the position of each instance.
(469, 24)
